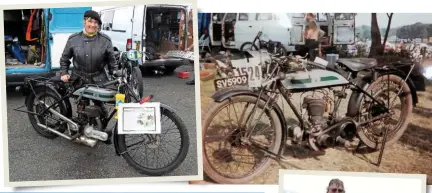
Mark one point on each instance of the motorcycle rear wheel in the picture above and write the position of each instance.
(374, 141)
(34, 119)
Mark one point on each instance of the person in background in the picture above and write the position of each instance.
(313, 35)
(336, 186)
(91, 50)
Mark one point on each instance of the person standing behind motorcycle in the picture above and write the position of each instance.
(312, 35)
(90, 50)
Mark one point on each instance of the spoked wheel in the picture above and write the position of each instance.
(248, 46)
(136, 82)
(158, 154)
(47, 118)
(386, 89)
(229, 157)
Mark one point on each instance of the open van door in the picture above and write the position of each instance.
(63, 22)
(343, 28)
(215, 28)
(138, 28)
(228, 25)
(298, 26)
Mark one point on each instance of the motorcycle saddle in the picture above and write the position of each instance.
(358, 64)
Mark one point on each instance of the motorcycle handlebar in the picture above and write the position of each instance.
(113, 82)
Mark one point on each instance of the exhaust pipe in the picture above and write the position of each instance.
(86, 141)
(54, 131)
(80, 140)
(72, 123)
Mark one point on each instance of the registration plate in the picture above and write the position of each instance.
(181, 54)
(241, 80)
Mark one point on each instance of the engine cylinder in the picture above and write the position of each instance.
(314, 106)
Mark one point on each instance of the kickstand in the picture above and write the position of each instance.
(381, 149)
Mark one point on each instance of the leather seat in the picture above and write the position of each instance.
(358, 64)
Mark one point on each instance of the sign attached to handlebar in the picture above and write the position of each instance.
(181, 54)
(133, 55)
(253, 71)
(135, 118)
(321, 61)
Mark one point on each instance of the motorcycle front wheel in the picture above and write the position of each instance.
(224, 146)
(136, 82)
(152, 145)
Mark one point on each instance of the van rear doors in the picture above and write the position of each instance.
(62, 23)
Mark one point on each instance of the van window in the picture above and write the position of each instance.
(218, 16)
(344, 16)
(298, 15)
(322, 17)
(264, 16)
(230, 17)
(122, 19)
(246, 16)
(107, 20)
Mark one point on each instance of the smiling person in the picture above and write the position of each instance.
(90, 50)
(336, 186)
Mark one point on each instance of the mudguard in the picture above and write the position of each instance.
(356, 96)
(409, 81)
(116, 135)
(43, 87)
(227, 93)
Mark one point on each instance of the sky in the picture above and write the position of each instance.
(306, 183)
(399, 19)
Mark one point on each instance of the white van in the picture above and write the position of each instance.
(153, 29)
(237, 28)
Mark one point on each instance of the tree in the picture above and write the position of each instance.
(375, 37)
(387, 31)
(377, 48)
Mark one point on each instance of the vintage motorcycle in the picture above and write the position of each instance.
(51, 114)
(273, 47)
(255, 128)
(132, 69)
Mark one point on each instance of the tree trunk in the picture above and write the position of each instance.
(387, 31)
(375, 37)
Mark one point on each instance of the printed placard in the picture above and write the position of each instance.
(135, 118)
(253, 71)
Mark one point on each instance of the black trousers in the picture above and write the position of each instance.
(312, 46)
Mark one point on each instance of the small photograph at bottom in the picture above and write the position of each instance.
(301, 181)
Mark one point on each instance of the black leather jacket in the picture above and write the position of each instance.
(90, 54)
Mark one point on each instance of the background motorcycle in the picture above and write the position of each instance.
(273, 47)
(133, 72)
